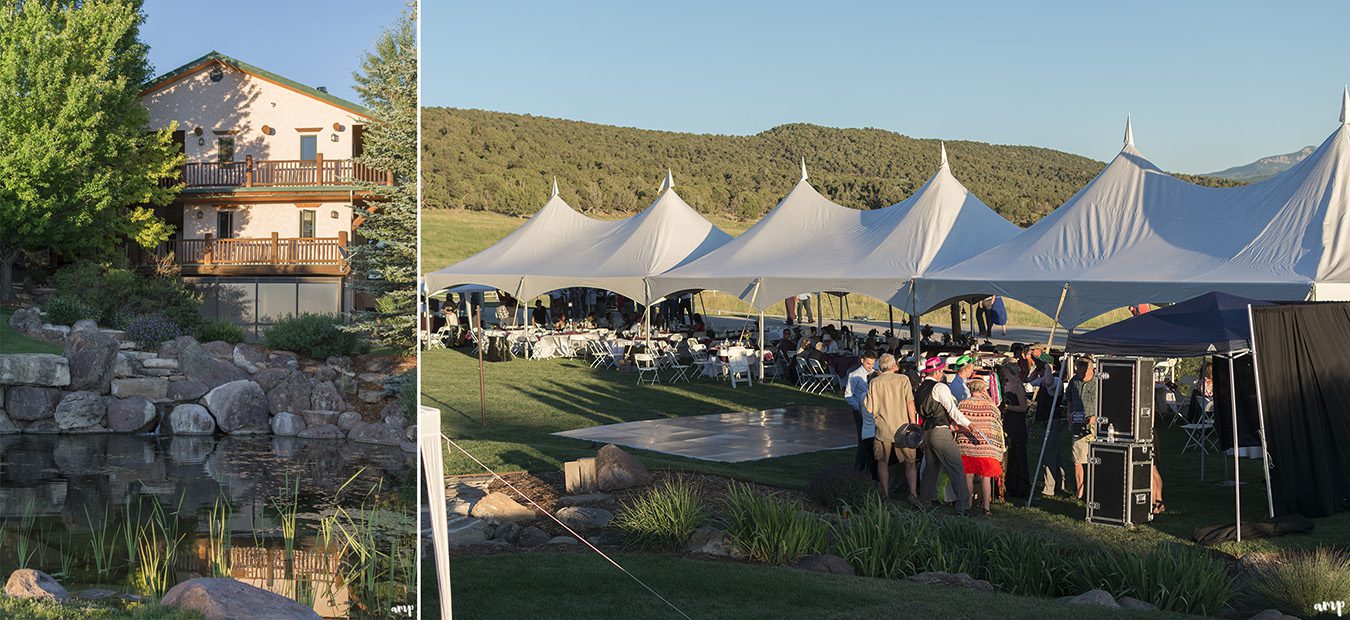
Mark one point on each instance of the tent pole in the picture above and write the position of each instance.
(1049, 424)
(1049, 344)
(482, 384)
(761, 347)
(1237, 481)
(1260, 412)
(820, 320)
(890, 317)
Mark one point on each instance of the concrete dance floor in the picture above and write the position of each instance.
(733, 437)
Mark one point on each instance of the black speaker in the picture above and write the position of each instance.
(1125, 399)
(1120, 483)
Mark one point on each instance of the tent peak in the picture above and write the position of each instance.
(1345, 106)
(943, 146)
(555, 188)
(669, 182)
(804, 169)
(1129, 131)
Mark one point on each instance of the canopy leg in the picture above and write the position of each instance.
(761, 347)
(1260, 415)
(1237, 480)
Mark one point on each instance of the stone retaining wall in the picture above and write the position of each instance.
(102, 383)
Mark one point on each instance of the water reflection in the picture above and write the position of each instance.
(327, 523)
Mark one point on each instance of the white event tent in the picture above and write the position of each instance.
(809, 244)
(560, 248)
(1138, 235)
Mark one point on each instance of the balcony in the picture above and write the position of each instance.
(281, 173)
(273, 255)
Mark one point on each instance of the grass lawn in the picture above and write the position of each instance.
(451, 235)
(528, 400)
(580, 585)
(13, 342)
(30, 609)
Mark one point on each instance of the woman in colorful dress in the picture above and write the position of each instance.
(982, 447)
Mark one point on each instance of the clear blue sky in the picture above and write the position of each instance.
(1210, 84)
(314, 42)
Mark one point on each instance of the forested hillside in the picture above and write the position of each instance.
(479, 160)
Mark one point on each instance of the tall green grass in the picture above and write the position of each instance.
(1173, 577)
(770, 529)
(665, 516)
(1299, 582)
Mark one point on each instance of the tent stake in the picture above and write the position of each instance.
(1260, 412)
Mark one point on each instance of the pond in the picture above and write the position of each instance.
(327, 523)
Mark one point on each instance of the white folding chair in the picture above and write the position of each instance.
(681, 370)
(705, 364)
(824, 378)
(774, 371)
(738, 367)
(1200, 434)
(805, 381)
(599, 352)
(647, 370)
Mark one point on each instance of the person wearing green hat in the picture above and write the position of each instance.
(965, 369)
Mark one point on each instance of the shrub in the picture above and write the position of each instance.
(665, 516)
(149, 330)
(882, 541)
(770, 529)
(1027, 565)
(1300, 581)
(116, 296)
(841, 485)
(215, 329)
(319, 336)
(1173, 577)
(63, 310)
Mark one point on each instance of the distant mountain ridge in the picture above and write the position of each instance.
(496, 161)
(1265, 167)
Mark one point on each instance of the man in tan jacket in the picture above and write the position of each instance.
(890, 399)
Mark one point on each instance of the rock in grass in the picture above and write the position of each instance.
(709, 540)
(585, 518)
(616, 469)
(29, 583)
(228, 599)
(1093, 597)
(959, 580)
(532, 537)
(1129, 602)
(499, 507)
(825, 563)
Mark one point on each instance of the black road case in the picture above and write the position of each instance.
(1125, 402)
(1120, 483)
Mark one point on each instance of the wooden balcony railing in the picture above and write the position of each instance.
(275, 251)
(282, 173)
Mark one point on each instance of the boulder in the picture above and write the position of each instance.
(240, 407)
(1129, 602)
(42, 427)
(465, 531)
(408, 445)
(84, 325)
(26, 320)
(825, 563)
(394, 408)
(95, 594)
(131, 415)
(1092, 597)
(532, 536)
(372, 377)
(29, 583)
(499, 507)
(92, 357)
(179, 390)
(125, 366)
(342, 365)
(223, 599)
(346, 385)
(149, 388)
(585, 518)
(1272, 614)
(370, 396)
(315, 417)
(460, 497)
(219, 349)
(248, 357)
(324, 373)
(197, 363)
(589, 499)
(616, 469)
(396, 421)
(286, 424)
(80, 410)
(958, 580)
(562, 540)
(291, 395)
(7, 426)
(27, 403)
(283, 359)
(508, 532)
(173, 348)
(349, 420)
(709, 540)
(322, 431)
(325, 396)
(377, 433)
(191, 419)
(41, 369)
(269, 378)
(159, 363)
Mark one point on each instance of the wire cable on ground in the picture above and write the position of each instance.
(565, 527)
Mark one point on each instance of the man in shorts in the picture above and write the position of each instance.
(1082, 395)
(890, 400)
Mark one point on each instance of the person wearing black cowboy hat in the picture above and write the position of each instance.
(938, 410)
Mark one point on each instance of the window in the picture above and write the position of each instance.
(309, 147)
(225, 148)
(224, 224)
(307, 217)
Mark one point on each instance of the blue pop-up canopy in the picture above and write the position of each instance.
(1213, 323)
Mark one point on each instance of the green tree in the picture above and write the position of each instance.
(79, 173)
(387, 84)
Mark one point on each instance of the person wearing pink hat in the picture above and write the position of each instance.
(940, 414)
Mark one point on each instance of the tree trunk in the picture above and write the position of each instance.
(8, 256)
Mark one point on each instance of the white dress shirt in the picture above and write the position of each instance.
(855, 392)
(943, 395)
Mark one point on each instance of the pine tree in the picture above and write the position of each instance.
(387, 84)
(79, 173)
